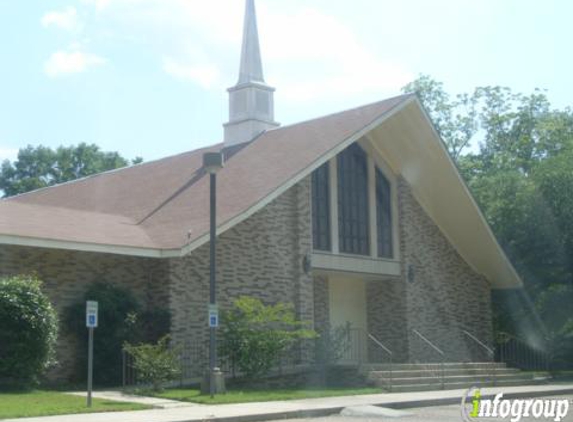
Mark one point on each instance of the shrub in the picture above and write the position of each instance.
(255, 335)
(28, 331)
(155, 364)
(121, 320)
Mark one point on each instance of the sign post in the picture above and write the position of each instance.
(91, 323)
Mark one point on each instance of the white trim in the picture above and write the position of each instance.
(356, 265)
(372, 211)
(390, 175)
(333, 187)
(468, 195)
(88, 247)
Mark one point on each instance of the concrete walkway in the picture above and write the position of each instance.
(299, 408)
(130, 398)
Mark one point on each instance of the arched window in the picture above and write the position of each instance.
(353, 216)
(383, 215)
(321, 208)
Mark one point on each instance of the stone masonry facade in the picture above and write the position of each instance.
(444, 295)
(66, 276)
(260, 257)
(437, 294)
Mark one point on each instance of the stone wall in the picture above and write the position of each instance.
(321, 304)
(443, 293)
(66, 276)
(261, 257)
(387, 319)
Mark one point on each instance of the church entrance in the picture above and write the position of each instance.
(347, 303)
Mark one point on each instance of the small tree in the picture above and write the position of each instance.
(117, 318)
(121, 320)
(255, 335)
(155, 364)
(28, 331)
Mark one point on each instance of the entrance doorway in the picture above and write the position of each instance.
(347, 303)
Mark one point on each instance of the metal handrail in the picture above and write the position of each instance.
(437, 349)
(375, 340)
(478, 341)
(489, 350)
(389, 352)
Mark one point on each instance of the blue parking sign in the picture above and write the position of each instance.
(91, 314)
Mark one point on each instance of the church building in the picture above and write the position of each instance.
(359, 219)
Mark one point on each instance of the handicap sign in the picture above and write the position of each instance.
(91, 314)
(213, 316)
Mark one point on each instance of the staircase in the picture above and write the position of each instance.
(434, 376)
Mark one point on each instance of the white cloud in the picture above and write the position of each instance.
(64, 62)
(206, 75)
(65, 19)
(8, 154)
(307, 53)
(332, 61)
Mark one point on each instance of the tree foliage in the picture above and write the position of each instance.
(255, 335)
(155, 364)
(28, 331)
(516, 155)
(39, 167)
(121, 319)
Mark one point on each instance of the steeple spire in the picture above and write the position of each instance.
(251, 65)
(251, 102)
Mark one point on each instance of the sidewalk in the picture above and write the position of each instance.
(298, 408)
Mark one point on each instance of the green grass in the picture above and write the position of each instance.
(259, 395)
(45, 403)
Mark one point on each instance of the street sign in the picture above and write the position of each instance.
(91, 323)
(213, 316)
(91, 314)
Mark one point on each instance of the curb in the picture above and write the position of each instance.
(327, 411)
(455, 400)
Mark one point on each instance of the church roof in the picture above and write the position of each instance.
(163, 204)
(161, 208)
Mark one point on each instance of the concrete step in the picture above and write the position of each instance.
(417, 366)
(466, 379)
(447, 372)
(457, 385)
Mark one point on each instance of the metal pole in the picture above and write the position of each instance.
(90, 364)
(212, 292)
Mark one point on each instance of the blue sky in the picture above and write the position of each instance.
(148, 77)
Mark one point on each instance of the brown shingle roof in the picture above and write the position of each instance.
(163, 204)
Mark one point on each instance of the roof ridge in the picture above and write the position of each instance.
(103, 173)
(404, 96)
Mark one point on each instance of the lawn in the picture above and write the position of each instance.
(260, 395)
(45, 403)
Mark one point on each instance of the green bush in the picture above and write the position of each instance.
(255, 335)
(121, 320)
(155, 364)
(28, 331)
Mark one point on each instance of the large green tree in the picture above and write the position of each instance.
(39, 167)
(516, 154)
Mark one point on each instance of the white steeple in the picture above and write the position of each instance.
(251, 103)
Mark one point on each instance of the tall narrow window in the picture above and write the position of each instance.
(353, 201)
(321, 209)
(383, 215)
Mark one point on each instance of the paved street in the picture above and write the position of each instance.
(282, 410)
(430, 414)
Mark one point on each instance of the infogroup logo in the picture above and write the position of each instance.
(474, 407)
